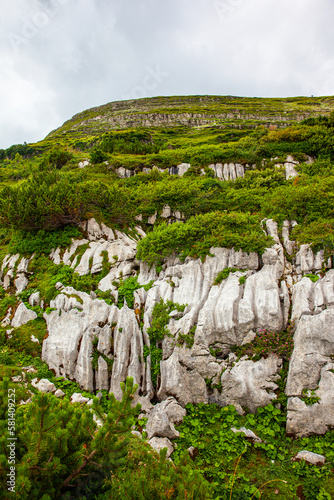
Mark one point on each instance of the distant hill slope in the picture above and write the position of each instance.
(194, 111)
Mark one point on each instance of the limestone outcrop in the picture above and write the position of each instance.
(99, 345)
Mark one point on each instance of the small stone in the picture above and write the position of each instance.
(137, 433)
(97, 420)
(248, 433)
(44, 385)
(158, 443)
(59, 393)
(78, 398)
(34, 299)
(309, 457)
(193, 452)
(31, 369)
(25, 402)
(22, 316)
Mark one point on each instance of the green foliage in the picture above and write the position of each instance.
(200, 233)
(6, 301)
(58, 444)
(126, 289)
(98, 156)
(57, 158)
(149, 475)
(187, 339)
(225, 274)
(242, 280)
(319, 233)
(231, 463)
(313, 277)
(268, 342)
(310, 397)
(129, 142)
(157, 331)
(47, 200)
(20, 339)
(42, 241)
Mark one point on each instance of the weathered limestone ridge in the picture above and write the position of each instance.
(273, 290)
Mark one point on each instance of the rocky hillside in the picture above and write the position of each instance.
(192, 251)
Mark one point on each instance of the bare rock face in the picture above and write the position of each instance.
(11, 271)
(76, 322)
(250, 384)
(312, 369)
(229, 171)
(99, 345)
(22, 316)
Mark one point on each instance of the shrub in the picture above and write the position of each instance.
(42, 241)
(98, 156)
(200, 233)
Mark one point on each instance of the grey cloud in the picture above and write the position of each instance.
(64, 56)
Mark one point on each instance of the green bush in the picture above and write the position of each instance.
(59, 448)
(200, 233)
(42, 241)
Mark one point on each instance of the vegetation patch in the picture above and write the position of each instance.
(157, 332)
(197, 236)
(268, 342)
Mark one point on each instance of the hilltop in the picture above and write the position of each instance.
(187, 243)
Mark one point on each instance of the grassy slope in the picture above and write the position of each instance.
(246, 130)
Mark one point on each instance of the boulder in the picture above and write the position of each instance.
(21, 282)
(185, 385)
(59, 393)
(162, 418)
(22, 316)
(78, 398)
(158, 443)
(159, 425)
(250, 384)
(309, 457)
(34, 299)
(44, 385)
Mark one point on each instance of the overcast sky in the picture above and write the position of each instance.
(60, 57)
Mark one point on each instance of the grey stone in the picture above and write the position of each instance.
(158, 443)
(151, 220)
(83, 164)
(309, 457)
(59, 393)
(44, 385)
(159, 425)
(248, 433)
(7, 319)
(21, 282)
(22, 316)
(34, 299)
(183, 168)
(250, 384)
(78, 398)
(311, 369)
(137, 433)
